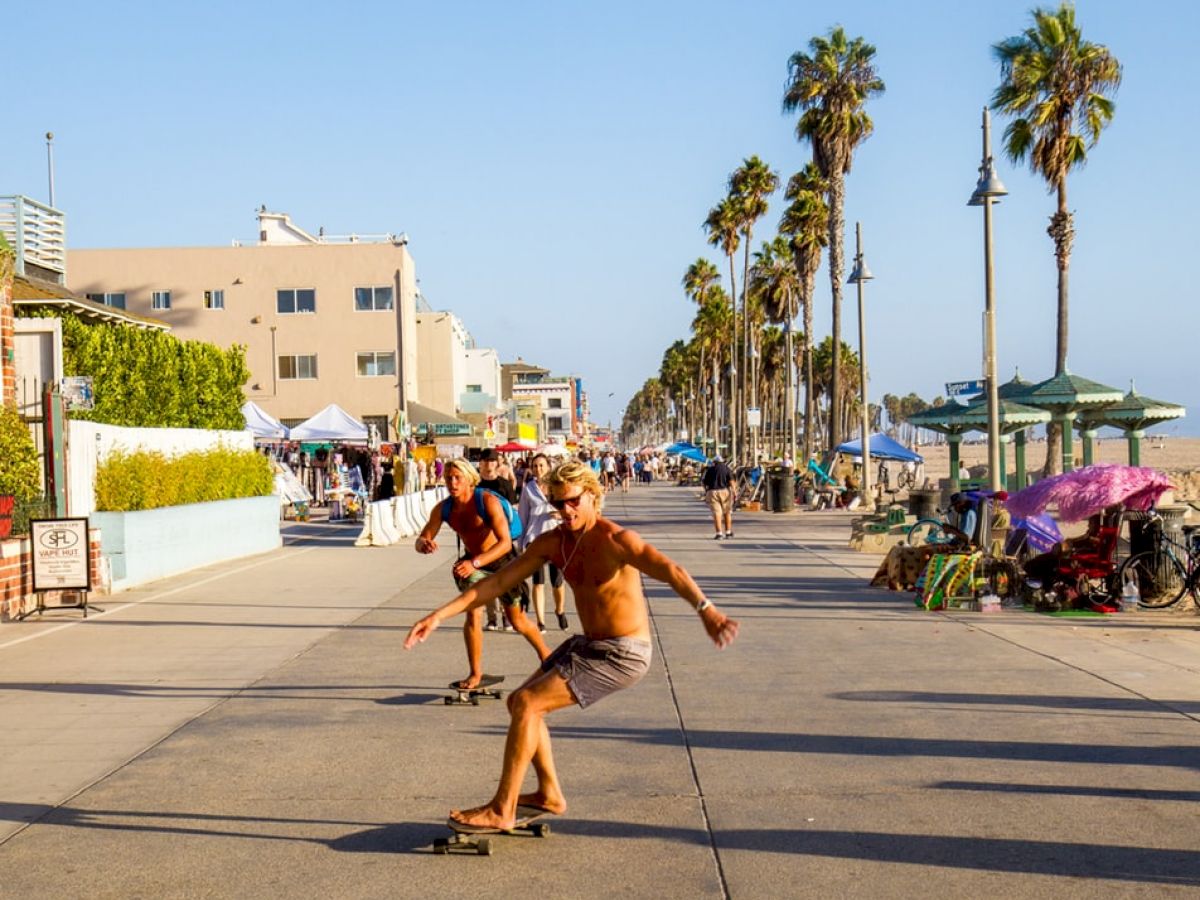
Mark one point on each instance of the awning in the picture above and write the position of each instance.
(882, 447)
(34, 293)
(443, 424)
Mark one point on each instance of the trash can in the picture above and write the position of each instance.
(1142, 528)
(923, 503)
(780, 489)
(769, 499)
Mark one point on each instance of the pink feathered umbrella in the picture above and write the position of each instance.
(1089, 490)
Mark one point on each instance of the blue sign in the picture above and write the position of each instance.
(957, 388)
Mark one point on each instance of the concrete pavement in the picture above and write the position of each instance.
(256, 731)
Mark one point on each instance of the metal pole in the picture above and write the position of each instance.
(993, 389)
(50, 162)
(868, 501)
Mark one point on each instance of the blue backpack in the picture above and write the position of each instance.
(514, 520)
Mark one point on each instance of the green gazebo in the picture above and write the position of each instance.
(1065, 396)
(945, 420)
(1015, 417)
(1133, 414)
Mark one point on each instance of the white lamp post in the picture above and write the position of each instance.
(860, 275)
(986, 193)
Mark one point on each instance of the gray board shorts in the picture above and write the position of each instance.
(595, 669)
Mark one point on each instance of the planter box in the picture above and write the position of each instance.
(150, 544)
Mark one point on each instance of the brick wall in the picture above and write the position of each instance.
(8, 365)
(16, 576)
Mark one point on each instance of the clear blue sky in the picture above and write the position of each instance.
(552, 164)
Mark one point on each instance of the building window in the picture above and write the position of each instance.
(554, 402)
(214, 299)
(367, 299)
(474, 388)
(555, 423)
(376, 362)
(160, 300)
(298, 366)
(303, 300)
(116, 301)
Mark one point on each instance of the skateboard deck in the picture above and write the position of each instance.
(478, 840)
(484, 690)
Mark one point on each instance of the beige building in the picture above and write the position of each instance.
(323, 319)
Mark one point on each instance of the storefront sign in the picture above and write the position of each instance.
(60, 555)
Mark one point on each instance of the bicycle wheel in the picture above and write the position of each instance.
(905, 479)
(925, 531)
(1161, 579)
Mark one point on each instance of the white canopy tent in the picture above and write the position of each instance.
(261, 423)
(331, 424)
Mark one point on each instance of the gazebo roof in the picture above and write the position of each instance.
(1134, 412)
(943, 419)
(1014, 416)
(1067, 393)
(1015, 389)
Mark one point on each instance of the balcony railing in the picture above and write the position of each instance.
(38, 234)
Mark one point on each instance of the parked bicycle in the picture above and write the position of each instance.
(1167, 571)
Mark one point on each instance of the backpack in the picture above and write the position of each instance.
(514, 519)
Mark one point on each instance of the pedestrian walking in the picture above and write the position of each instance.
(718, 493)
(538, 517)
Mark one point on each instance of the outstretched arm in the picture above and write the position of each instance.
(650, 561)
(481, 592)
(425, 540)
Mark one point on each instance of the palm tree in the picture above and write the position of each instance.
(751, 185)
(774, 279)
(1056, 87)
(831, 84)
(806, 223)
(699, 277)
(723, 226)
(711, 328)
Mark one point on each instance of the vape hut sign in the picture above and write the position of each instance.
(60, 557)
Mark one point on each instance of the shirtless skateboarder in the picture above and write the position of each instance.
(487, 546)
(603, 564)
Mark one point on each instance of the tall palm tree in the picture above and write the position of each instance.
(711, 328)
(774, 279)
(699, 277)
(751, 184)
(806, 224)
(723, 225)
(831, 84)
(1057, 88)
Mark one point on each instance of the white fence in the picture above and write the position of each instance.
(87, 442)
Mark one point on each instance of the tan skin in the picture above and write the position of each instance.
(603, 564)
(484, 542)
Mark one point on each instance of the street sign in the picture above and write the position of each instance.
(958, 388)
(753, 416)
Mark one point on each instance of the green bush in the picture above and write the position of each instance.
(19, 472)
(148, 479)
(151, 379)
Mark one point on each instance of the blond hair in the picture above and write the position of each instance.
(465, 469)
(577, 473)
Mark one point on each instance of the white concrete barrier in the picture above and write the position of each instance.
(383, 532)
(411, 515)
(364, 538)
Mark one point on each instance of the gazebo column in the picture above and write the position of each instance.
(1019, 453)
(1005, 440)
(1065, 421)
(954, 440)
(1089, 437)
(1134, 436)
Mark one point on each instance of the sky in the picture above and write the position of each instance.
(553, 163)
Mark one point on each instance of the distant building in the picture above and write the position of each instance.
(560, 400)
(324, 319)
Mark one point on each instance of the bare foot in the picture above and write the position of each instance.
(469, 683)
(482, 816)
(553, 804)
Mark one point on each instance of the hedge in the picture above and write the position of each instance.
(149, 479)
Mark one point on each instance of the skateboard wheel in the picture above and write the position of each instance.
(441, 846)
(541, 829)
(474, 701)
(485, 847)
(448, 700)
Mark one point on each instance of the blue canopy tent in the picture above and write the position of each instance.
(687, 451)
(882, 447)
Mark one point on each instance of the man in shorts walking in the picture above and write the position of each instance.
(487, 546)
(603, 563)
(718, 493)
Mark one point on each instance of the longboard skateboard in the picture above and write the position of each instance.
(472, 695)
(478, 840)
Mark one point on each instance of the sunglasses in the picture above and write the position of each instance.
(572, 502)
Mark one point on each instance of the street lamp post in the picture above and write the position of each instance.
(987, 192)
(859, 276)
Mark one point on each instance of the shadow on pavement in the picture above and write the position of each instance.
(1125, 703)
(1069, 790)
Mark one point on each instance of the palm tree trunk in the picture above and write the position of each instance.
(789, 414)
(735, 378)
(837, 202)
(810, 400)
(1062, 231)
(750, 378)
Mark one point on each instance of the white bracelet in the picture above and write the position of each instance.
(704, 604)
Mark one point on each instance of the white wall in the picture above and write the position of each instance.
(87, 442)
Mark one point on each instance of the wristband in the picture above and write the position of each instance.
(475, 563)
(704, 604)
